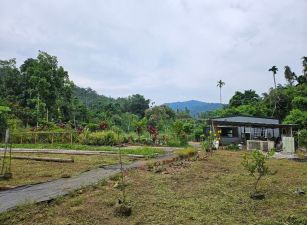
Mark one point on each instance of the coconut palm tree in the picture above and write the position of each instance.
(220, 84)
(274, 70)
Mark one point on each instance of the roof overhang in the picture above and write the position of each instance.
(248, 124)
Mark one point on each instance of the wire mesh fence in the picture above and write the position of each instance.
(43, 137)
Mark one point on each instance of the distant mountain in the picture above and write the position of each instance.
(194, 106)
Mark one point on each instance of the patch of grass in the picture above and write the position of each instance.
(185, 153)
(62, 146)
(215, 191)
(147, 151)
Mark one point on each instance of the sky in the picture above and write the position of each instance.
(166, 50)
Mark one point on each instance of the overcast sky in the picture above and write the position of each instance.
(166, 50)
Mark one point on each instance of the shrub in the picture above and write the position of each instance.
(255, 164)
(130, 138)
(206, 146)
(198, 132)
(92, 127)
(302, 138)
(100, 138)
(232, 147)
(176, 142)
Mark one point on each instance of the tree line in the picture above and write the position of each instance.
(40, 92)
(39, 95)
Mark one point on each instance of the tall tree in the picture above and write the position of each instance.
(249, 97)
(220, 84)
(303, 78)
(289, 75)
(274, 70)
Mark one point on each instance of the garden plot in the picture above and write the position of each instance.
(29, 171)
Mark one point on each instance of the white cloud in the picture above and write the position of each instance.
(166, 50)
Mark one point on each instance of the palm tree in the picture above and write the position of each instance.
(220, 84)
(274, 69)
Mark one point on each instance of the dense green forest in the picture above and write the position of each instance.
(39, 95)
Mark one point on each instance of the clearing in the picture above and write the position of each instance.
(212, 191)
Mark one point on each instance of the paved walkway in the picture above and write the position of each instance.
(50, 190)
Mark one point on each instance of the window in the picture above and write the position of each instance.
(229, 132)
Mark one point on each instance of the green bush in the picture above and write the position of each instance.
(255, 164)
(232, 147)
(302, 138)
(100, 138)
(92, 127)
(130, 138)
(206, 146)
(198, 132)
(176, 142)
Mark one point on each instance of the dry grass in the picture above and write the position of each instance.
(30, 172)
(215, 191)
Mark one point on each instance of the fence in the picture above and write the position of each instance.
(43, 137)
(261, 145)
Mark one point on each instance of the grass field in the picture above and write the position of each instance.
(212, 191)
(30, 172)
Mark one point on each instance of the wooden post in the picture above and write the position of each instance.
(71, 138)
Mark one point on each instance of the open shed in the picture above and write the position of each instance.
(254, 132)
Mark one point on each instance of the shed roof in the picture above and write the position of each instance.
(249, 124)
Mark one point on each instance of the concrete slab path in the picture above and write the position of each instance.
(52, 189)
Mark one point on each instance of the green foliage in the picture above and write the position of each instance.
(92, 127)
(289, 75)
(299, 102)
(136, 104)
(198, 133)
(302, 138)
(160, 116)
(140, 126)
(3, 117)
(206, 145)
(175, 142)
(100, 138)
(255, 164)
(298, 117)
(249, 97)
(232, 147)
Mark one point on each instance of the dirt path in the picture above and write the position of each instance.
(50, 190)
